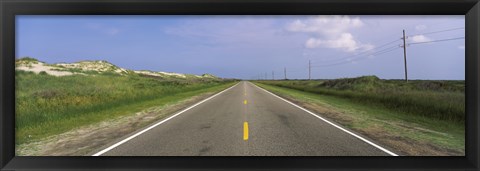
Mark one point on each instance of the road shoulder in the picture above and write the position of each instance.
(394, 133)
(89, 139)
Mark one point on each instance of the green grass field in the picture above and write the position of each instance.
(429, 113)
(48, 105)
(441, 100)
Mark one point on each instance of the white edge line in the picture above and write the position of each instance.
(153, 126)
(347, 131)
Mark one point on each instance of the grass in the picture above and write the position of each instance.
(48, 105)
(372, 117)
(438, 100)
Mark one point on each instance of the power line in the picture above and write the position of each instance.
(364, 57)
(441, 40)
(383, 45)
(360, 58)
(379, 50)
(359, 54)
(386, 50)
(389, 36)
(298, 70)
(439, 31)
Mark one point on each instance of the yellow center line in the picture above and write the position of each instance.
(245, 131)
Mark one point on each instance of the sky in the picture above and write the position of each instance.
(250, 47)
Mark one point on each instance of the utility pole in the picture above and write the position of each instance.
(285, 72)
(309, 69)
(266, 76)
(405, 55)
(273, 75)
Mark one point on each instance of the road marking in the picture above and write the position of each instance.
(343, 129)
(245, 131)
(245, 102)
(153, 126)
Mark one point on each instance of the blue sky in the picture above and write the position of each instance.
(247, 47)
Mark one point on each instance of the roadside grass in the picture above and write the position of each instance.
(375, 120)
(439, 100)
(48, 105)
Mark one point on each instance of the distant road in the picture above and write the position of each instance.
(244, 120)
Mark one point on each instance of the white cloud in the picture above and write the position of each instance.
(345, 42)
(325, 25)
(461, 47)
(330, 32)
(420, 38)
(420, 27)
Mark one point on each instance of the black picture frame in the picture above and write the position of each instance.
(10, 8)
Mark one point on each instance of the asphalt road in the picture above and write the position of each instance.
(243, 121)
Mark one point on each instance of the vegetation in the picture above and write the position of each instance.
(408, 134)
(30, 59)
(48, 105)
(438, 100)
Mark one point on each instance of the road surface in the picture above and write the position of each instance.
(244, 120)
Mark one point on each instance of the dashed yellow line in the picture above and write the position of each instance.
(245, 131)
(245, 124)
